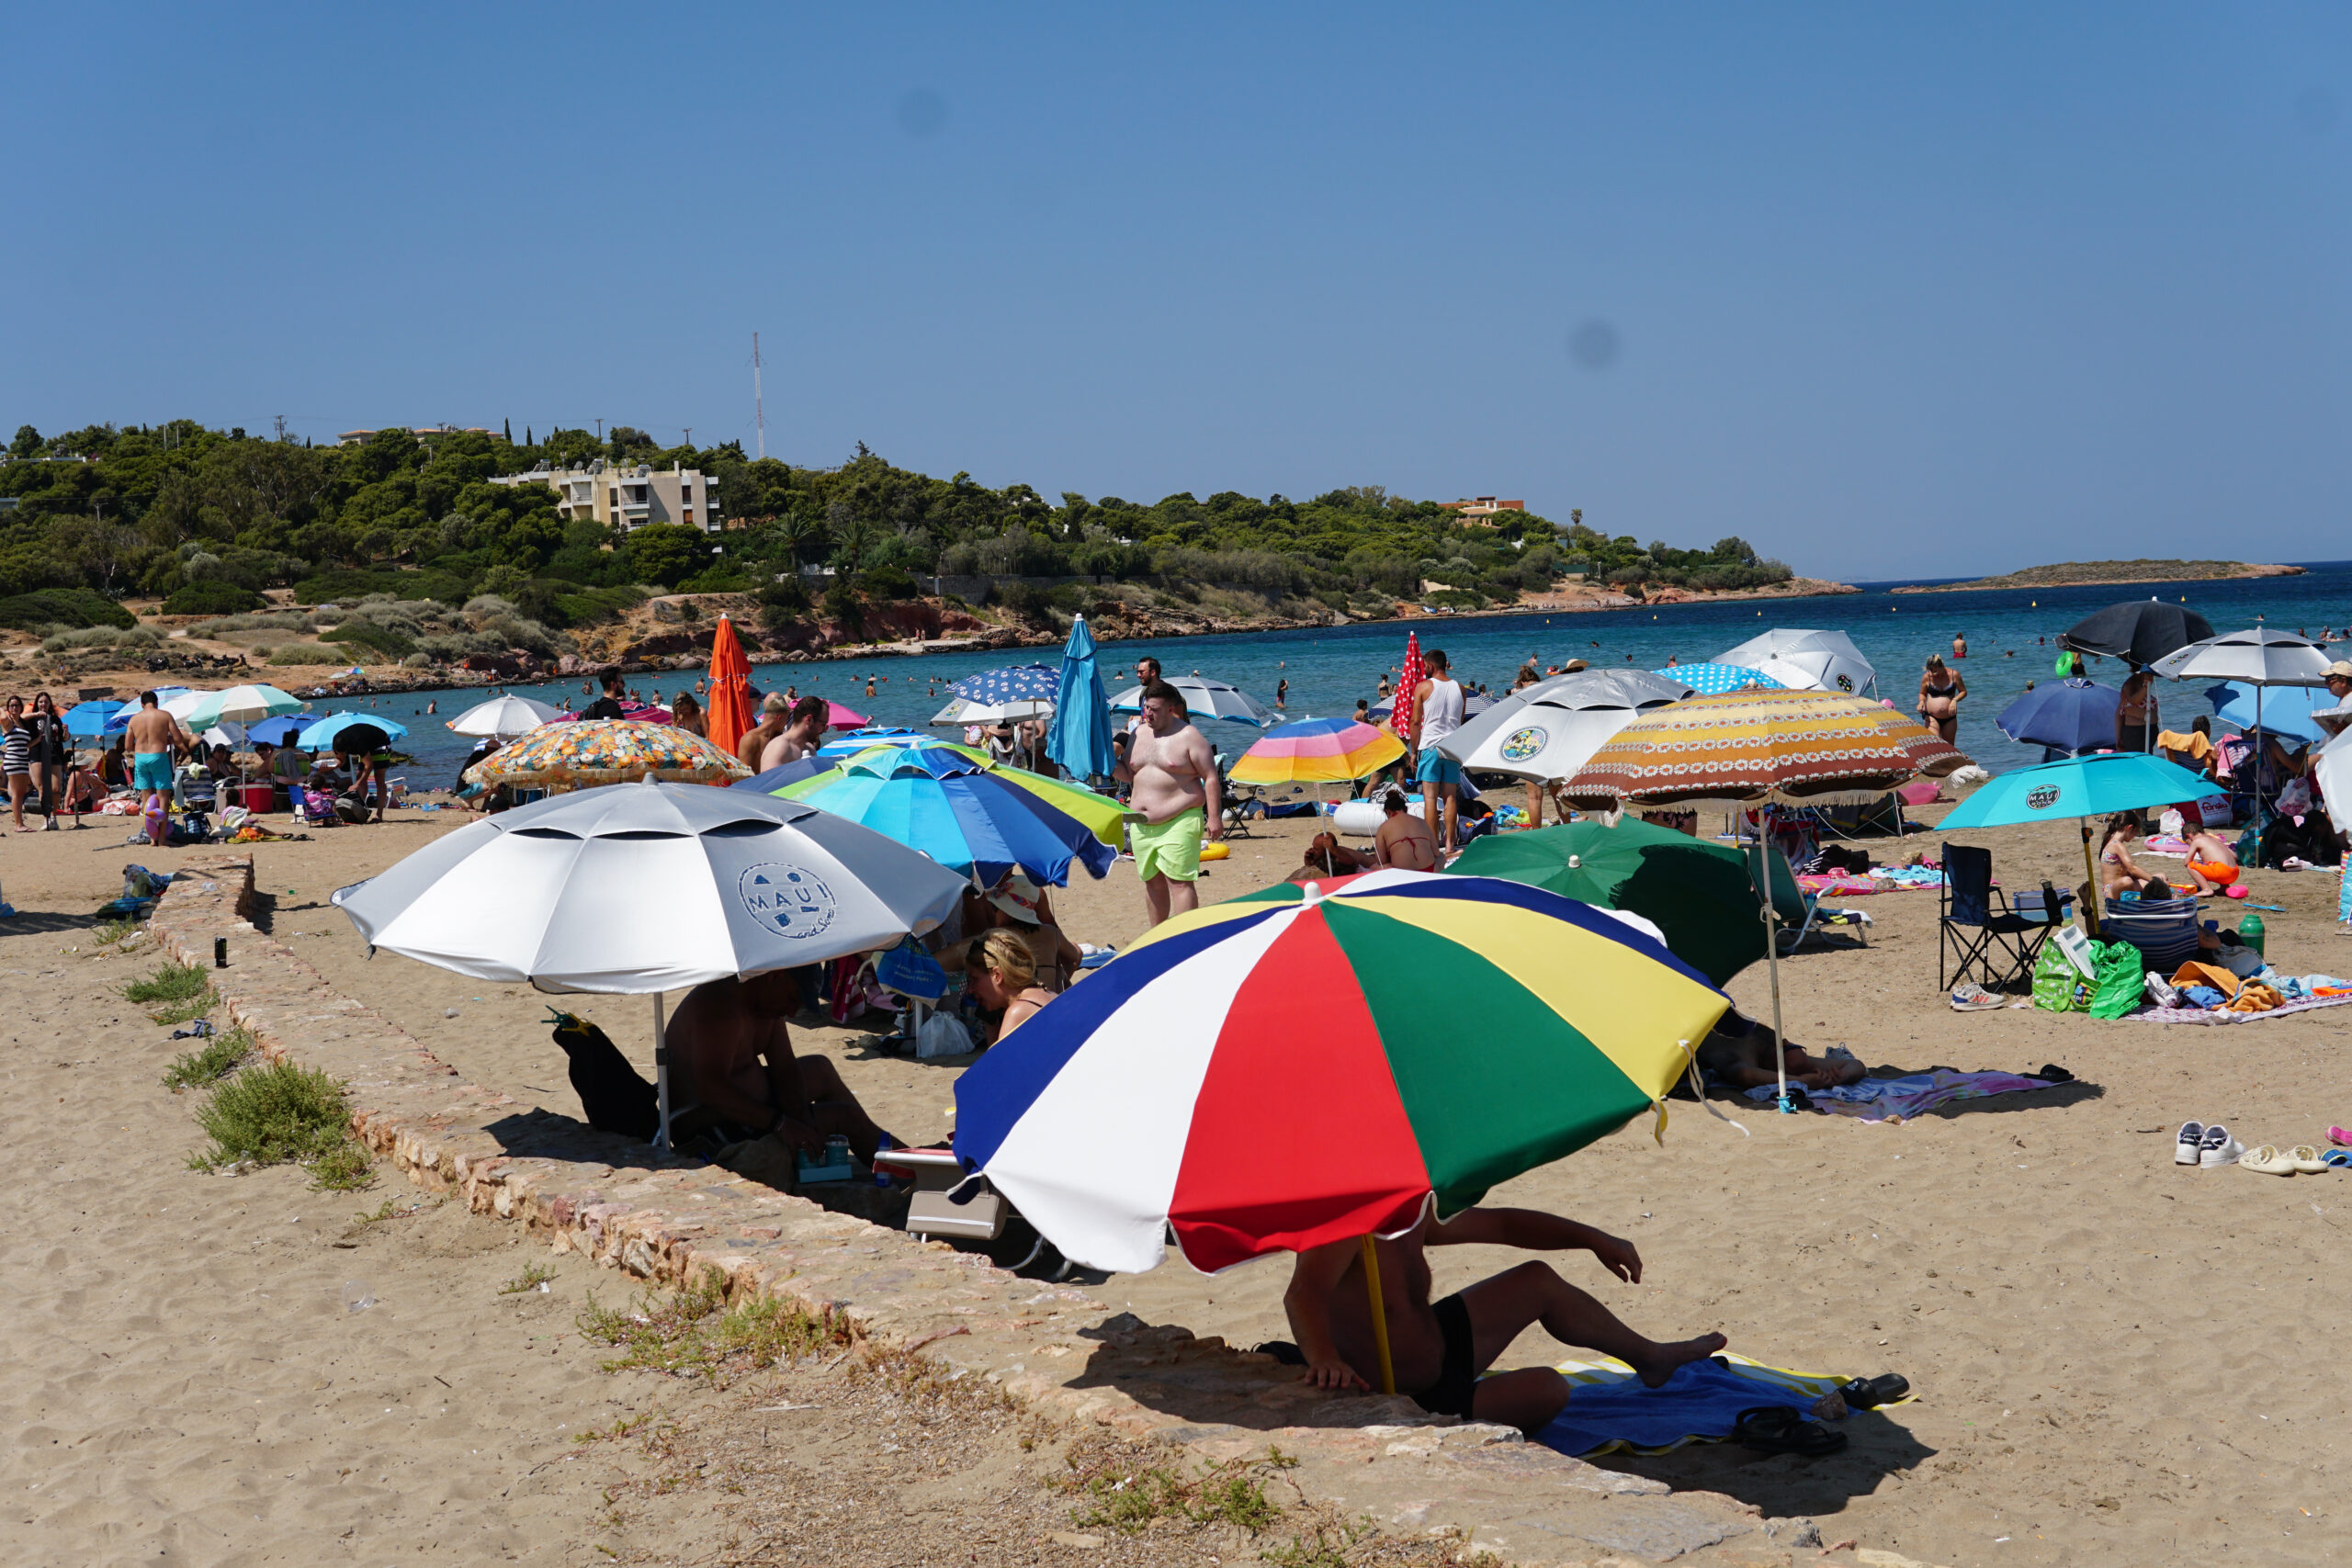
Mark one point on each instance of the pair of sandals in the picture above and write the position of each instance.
(2300, 1160)
(1780, 1429)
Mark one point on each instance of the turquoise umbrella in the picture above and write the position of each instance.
(2082, 788)
(959, 813)
(322, 733)
(1080, 738)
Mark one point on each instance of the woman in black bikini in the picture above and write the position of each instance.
(1942, 691)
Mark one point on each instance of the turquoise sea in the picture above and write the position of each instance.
(2011, 639)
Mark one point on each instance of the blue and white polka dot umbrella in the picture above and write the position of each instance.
(1013, 684)
(1714, 680)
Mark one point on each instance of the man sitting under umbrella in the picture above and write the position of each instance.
(1439, 1349)
(739, 1076)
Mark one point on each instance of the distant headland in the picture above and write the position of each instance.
(2093, 573)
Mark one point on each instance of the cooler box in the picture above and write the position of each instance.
(254, 797)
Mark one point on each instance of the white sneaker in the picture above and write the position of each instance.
(2185, 1148)
(2218, 1149)
(1970, 996)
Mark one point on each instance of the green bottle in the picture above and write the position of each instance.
(2250, 933)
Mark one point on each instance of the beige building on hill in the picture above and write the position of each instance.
(1482, 509)
(625, 497)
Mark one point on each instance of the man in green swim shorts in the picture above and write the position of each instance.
(1176, 790)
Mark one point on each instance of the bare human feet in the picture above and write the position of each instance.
(1658, 1363)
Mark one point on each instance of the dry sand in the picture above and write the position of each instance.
(2115, 1357)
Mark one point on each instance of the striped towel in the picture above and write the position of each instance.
(1609, 1411)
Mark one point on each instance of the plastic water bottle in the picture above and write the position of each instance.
(2250, 933)
(882, 1147)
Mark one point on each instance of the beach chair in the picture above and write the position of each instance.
(1804, 918)
(1976, 922)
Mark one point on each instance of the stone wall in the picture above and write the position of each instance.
(669, 1219)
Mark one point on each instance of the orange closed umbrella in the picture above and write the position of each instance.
(730, 707)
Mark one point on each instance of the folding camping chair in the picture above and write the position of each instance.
(1802, 916)
(1977, 919)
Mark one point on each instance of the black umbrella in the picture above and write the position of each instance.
(2141, 631)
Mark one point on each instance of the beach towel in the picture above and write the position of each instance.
(2223, 1015)
(1609, 1411)
(1835, 885)
(1883, 1099)
(1894, 877)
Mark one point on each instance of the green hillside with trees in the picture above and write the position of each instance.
(207, 519)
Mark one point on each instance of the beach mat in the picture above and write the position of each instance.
(1609, 1411)
(1878, 1100)
(2220, 1015)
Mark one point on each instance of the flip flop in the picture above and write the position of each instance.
(2336, 1158)
(2339, 1137)
(1868, 1394)
(1777, 1430)
(2266, 1161)
(2307, 1160)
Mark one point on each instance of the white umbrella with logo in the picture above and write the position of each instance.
(1550, 729)
(649, 888)
(1805, 660)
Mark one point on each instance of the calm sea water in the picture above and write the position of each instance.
(2012, 638)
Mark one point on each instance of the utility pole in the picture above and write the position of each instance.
(759, 403)
(690, 433)
(600, 431)
(281, 427)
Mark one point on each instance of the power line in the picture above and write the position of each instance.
(759, 403)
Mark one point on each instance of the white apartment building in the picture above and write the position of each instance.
(625, 497)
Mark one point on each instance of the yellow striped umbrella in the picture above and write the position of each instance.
(1752, 747)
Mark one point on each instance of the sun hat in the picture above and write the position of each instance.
(1017, 896)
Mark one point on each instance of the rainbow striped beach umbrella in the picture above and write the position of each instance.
(1318, 750)
(1307, 1065)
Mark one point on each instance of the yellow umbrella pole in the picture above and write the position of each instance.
(1379, 1316)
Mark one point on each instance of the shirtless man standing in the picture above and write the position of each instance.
(154, 736)
(735, 1067)
(1175, 788)
(802, 736)
(774, 714)
(1437, 1351)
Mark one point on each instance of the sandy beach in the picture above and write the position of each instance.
(2110, 1349)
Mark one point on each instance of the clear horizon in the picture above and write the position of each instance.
(1889, 294)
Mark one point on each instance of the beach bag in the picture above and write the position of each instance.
(2122, 982)
(2058, 987)
(613, 1096)
(2216, 810)
(942, 1034)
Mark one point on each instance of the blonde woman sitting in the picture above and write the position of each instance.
(1000, 973)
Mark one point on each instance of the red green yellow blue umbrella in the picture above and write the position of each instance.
(1318, 750)
(1315, 1064)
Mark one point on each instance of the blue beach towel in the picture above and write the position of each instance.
(1610, 1411)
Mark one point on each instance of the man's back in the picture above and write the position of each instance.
(151, 730)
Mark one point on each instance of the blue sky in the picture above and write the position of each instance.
(1886, 289)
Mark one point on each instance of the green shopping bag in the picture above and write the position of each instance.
(2058, 986)
(2120, 987)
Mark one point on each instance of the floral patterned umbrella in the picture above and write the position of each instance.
(603, 751)
(1795, 748)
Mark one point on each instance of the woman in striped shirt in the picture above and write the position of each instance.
(16, 758)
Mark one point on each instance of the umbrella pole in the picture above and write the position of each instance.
(2090, 886)
(1379, 1316)
(2260, 741)
(1771, 919)
(661, 1076)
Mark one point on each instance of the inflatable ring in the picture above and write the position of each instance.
(1215, 852)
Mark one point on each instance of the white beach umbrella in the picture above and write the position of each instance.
(228, 732)
(2256, 657)
(1550, 729)
(2332, 771)
(241, 705)
(504, 717)
(1203, 698)
(649, 888)
(1014, 710)
(1819, 670)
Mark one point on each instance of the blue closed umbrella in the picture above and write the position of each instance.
(1714, 680)
(322, 734)
(90, 718)
(2275, 710)
(2073, 715)
(1079, 739)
